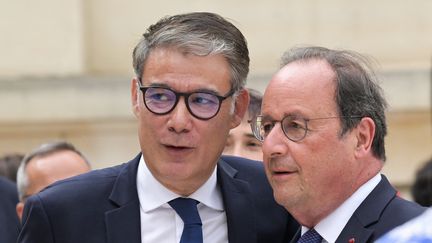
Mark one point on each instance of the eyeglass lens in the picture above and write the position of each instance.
(294, 128)
(163, 100)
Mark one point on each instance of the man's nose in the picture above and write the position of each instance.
(275, 143)
(180, 118)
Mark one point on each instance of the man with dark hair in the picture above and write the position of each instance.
(422, 188)
(45, 165)
(323, 127)
(9, 165)
(187, 94)
(241, 141)
(9, 225)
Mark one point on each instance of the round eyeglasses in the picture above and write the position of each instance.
(203, 105)
(295, 128)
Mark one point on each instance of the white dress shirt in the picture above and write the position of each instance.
(161, 224)
(331, 226)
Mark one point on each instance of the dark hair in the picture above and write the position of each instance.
(254, 107)
(422, 188)
(42, 151)
(357, 91)
(9, 165)
(198, 33)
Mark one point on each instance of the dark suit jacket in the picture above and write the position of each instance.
(103, 206)
(8, 217)
(381, 211)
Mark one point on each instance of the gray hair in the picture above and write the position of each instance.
(41, 151)
(357, 91)
(198, 33)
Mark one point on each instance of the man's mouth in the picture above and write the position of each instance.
(176, 147)
(282, 172)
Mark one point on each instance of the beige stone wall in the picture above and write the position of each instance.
(40, 38)
(66, 65)
(396, 33)
(408, 146)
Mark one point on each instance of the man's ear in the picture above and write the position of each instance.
(20, 209)
(240, 108)
(135, 96)
(365, 132)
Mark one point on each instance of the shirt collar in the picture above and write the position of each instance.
(209, 193)
(331, 226)
(152, 194)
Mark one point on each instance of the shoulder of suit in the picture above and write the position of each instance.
(7, 185)
(242, 168)
(8, 191)
(241, 162)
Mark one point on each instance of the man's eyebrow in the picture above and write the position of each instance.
(293, 114)
(164, 85)
(267, 117)
(205, 90)
(285, 114)
(249, 135)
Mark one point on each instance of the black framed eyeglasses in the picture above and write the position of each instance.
(295, 128)
(203, 105)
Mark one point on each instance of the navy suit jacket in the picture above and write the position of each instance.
(8, 217)
(381, 211)
(103, 206)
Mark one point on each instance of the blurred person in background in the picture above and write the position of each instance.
(241, 141)
(9, 224)
(45, 165)
(323, 127)
(9, 165)
(188, 93)
(422, 187)
(417, 230)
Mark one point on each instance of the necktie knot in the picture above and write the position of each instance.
(311, 236)
(186, 208)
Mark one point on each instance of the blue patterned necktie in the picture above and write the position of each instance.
(186, 208)
(310, 237)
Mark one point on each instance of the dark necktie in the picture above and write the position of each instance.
(310, 237)
(186, 208)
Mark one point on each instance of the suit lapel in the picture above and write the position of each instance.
(296, 236)
(354, 231)
(123, 222)
(367, 213)
(238, 204)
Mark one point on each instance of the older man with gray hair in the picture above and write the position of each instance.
(323, 127)
(45, 165)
